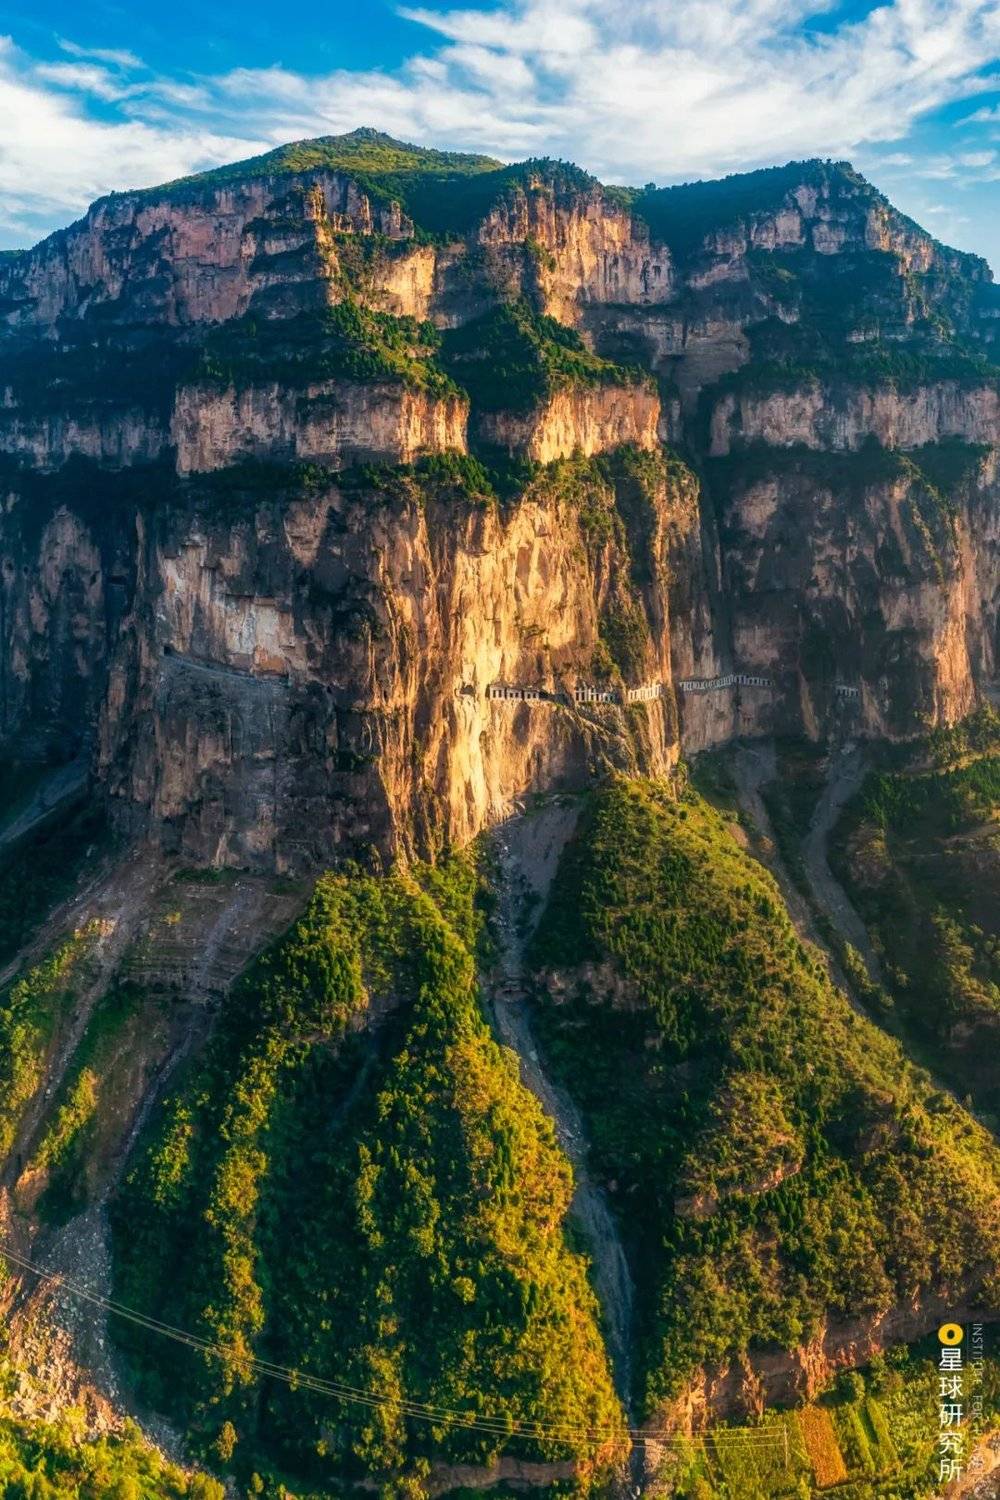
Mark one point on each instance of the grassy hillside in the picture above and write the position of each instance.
(324, 1197)
(775, 1159)
(919, 851)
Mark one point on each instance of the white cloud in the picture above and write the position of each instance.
(661, 89)
(87, 78)
(112, 56)
(55, 157)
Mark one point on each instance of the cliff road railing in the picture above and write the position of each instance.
(646, 692)
(717, 684)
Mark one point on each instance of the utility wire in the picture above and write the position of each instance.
(759, 1438)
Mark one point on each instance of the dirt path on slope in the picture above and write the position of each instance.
(527, 850)
(63, 784)
(753, 766)
(845, 774)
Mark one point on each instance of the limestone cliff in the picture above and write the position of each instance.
(201, 252)
(277, 650)
(876, 615)
(588, 420)
(330, 422)
(820, 416)
(273, 679)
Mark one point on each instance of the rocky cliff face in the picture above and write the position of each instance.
(876, 615)
(330, 422)
(824, 418)
(278, 652)
(201, 254)
(587, 421)
(278, 680)
(180, 258)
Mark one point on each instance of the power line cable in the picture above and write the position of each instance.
(757, 1438)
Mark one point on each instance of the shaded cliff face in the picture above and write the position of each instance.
(815, 416)
(279, 651)
(874, 615)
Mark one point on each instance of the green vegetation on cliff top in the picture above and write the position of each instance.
(346, 342)
(512, 358)
(683, 215)
(879, 365)
(445, 193)
(941, 470)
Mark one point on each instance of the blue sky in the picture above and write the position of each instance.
(119, 94)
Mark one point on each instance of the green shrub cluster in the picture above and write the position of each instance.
(512, 358)
(454, 477)
(346, 342)
(82, 1103)
(53, 1461)
(369, 1196)
(92, 367)
(731, 1066)
(838, 367)
(30, 1011)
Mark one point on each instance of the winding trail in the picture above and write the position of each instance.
(527, 849)
(846, 773)
(753, 767)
